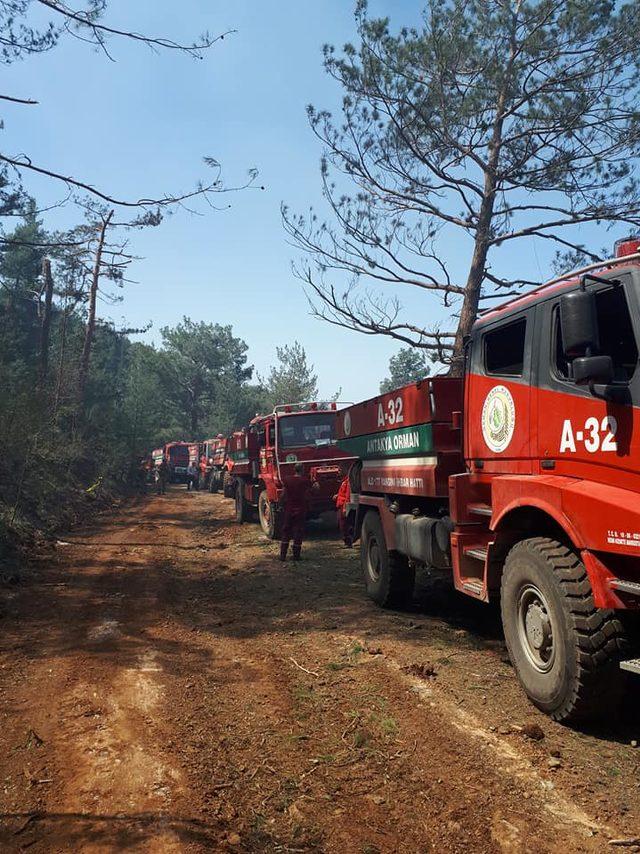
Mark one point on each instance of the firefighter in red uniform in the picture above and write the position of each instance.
(295, 503)
(342, 498)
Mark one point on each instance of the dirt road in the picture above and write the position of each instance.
(167, 685)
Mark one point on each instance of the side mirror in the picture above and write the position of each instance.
(593, 369)
(579, 323)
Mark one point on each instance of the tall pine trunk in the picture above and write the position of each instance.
(473, 288)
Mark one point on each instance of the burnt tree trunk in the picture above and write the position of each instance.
(63, 348)
(45, 329)
(91, 319)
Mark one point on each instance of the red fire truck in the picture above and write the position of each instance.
(177, 456)
(236, 453)
(212, 463)
(265, 451)
(521, 482)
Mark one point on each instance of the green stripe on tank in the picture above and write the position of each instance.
(238, 456)
(404, 442)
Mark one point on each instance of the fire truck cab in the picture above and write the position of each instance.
(213, 455)
(536, 503)
(267, 450)
(177, 456)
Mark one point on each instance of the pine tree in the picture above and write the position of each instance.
(407, 366)
(491, 125)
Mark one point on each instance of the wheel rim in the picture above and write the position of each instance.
(373, 559)
(535, 628)
(265, 514)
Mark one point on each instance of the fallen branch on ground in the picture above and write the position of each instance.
(304, 669)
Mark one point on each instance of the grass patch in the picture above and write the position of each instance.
(338, 665)
(295, 737)
(325, 759)
(361, 738)
(302, 692)
(388, 725)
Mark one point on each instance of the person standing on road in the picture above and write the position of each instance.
(342, 498)
(142, 475)
(295, 503)
(162, 472)
(192, 476)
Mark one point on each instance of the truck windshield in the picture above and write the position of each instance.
(179, 454)
(313, 430)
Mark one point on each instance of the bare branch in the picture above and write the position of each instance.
(98, 31)
(17, 100)
(20, 163)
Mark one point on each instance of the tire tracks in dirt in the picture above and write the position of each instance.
(187, 692)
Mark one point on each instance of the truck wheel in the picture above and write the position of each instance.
(565, 651)
(388, 577)
(269, 517)
(214, 483)
(355, 475)
(242, 508)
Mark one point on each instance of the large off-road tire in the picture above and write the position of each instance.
(565, 651)
(388, 577)
(270, 521)
(355, 475)
(243, 509)
(214, 482)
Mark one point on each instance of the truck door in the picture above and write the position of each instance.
(498, 417)
(253, 448)
(579, 434)
(270, 464)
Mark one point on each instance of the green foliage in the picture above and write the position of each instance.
(235, 405)
(293, 380)
(407, 366)
(57, 457)
(202, 364)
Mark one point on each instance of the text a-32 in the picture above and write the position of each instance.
(393, 415)
(596, 435)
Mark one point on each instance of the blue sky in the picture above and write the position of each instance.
(141, 125)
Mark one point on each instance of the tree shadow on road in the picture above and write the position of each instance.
(100, 603)
(70, 831)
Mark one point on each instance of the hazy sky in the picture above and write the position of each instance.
(140, 126)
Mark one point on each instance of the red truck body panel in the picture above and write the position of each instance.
(406, 439)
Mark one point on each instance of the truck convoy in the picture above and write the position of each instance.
(265, 451)
(177, 456)
(521, 482)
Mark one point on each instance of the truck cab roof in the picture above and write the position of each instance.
(562, 284)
